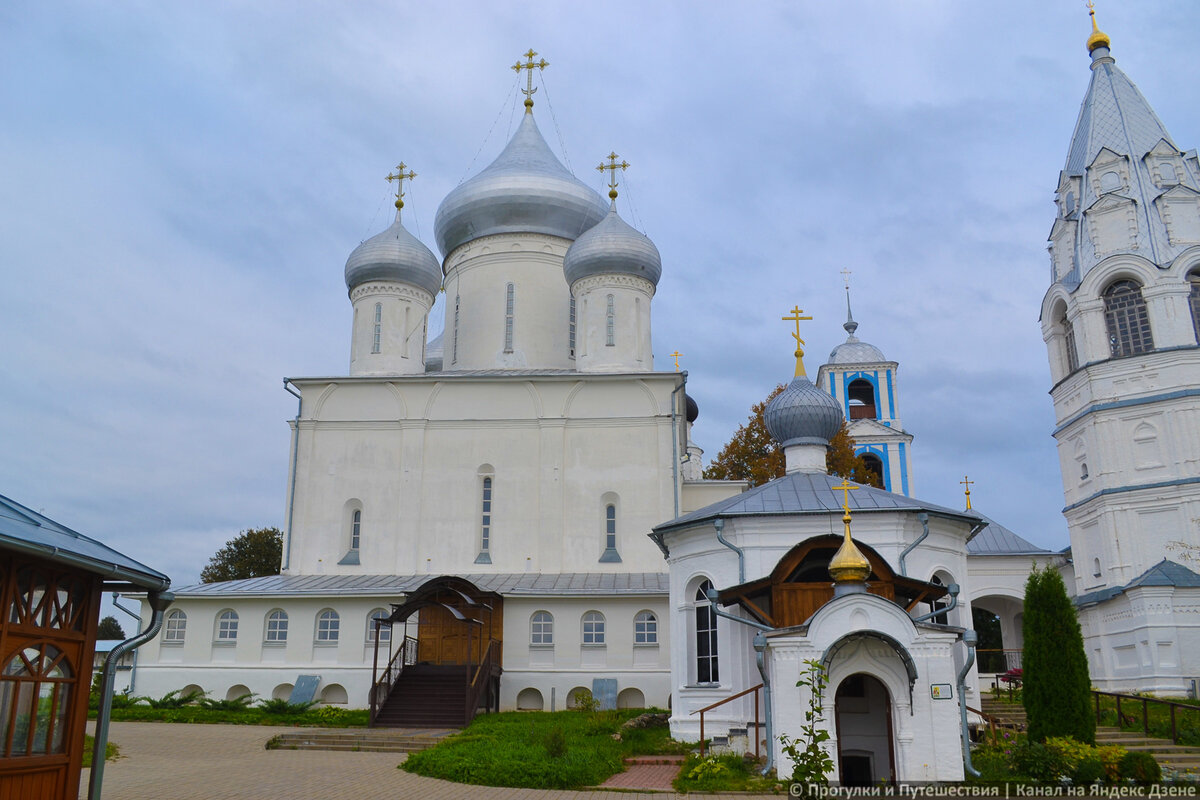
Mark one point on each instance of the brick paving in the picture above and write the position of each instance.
(164, 761)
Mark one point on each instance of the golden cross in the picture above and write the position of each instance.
(967, 483)
(846, 277)
(612, 167)
(530, 65)
(846, 488)
(795, 317)
(400, 176)
(676, 356)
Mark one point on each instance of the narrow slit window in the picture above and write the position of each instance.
(610, 527)
(454, 347)
(356, 529)
(485, 538)
(508, 318)
(571, 329)
(1069, 343)
(1194, 298)
(378, 327)
(610, 323)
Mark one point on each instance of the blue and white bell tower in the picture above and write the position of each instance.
(863, 381)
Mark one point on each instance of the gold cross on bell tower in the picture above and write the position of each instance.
(400, 176)
(530, 65)
(676, 356)
(967, 483)
(796, 317)
(612, 166)
(846, 277)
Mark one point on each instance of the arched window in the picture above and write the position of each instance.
(1109, 182)
(706, 637)
(1069, 342)
(355, 528)
(610, 323)
(1194, 280)
(940, 619)
(35, 687)
(571, 329)
(645, 628)
(454, 345)
(328, 625)
(862, 399)
(277, 626)
(875, 464)
(385, 631)
(1095, 568)
(508, 318)
(1126, 319)
(227, 625)
(378, 327)
(593, 628)
(1166, 173)
(175, 628)
(541, 629)
(485, 519)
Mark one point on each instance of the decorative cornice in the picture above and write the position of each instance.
(389, 289)
(610, 281)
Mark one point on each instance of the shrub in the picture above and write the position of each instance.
(236, 704)
(332, 713)
(556, 742)
(584, 701)
(279, 705)
(173, 699)
(1140, 767)
(1040, 762)
(1056, 687)
(1089, 770)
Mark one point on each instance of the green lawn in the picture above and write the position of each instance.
(327, 717)
(540, 750)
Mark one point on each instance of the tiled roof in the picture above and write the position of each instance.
(508, 584)
(26, 530)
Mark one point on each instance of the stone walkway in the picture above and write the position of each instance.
(228, 762)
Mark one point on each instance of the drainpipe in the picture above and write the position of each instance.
(159, 602)
(675, 440)
(287, 550)
(969, 639)
(953, 589)
(719, 524)
(138, 617)
(760, 646)
(925, 532)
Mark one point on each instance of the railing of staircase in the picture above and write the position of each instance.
(702, 711)
(478, 681)
(382, 686)
(998, 660)
(988, 718)
(1135, 700)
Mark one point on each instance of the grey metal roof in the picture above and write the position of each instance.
(854, 351)
(997, 540)
(525, 190)
(802, 414)
(1164, 573)
(808, 493)
(508, 584)
(1115, 115)
(394, 255)
(28, 531)
(612, 247)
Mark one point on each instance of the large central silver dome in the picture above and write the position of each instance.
(525, 190)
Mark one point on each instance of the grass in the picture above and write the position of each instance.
(325, 717)
(111, 751)
(724, 773)
(540, 750)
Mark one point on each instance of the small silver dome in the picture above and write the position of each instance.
(802, 414)
(394, 255)
(525, 190)
(612, 247)
(852, 351)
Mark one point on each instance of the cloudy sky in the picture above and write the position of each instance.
(182, 183)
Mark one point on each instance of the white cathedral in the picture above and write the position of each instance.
(513, 512)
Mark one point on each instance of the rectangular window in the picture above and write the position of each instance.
(571, 329)
(645, 628)
(593, 628)
(508, 319)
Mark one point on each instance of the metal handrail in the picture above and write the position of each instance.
(701, 712)
(1012, 656)
(1145, 701)
(383, 687)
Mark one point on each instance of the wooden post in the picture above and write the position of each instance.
(702, 734)
(1119, 712)
(1146, 717)
(1096, 695)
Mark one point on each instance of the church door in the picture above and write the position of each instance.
(441, 639)
(863, 716)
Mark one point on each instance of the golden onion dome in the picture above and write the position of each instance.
(849, 565)
(1098, 38)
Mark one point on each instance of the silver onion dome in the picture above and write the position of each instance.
(394, 255)
(612, 247)
(802, 414)
(525, 190)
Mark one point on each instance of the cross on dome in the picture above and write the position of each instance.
(967, 484)
(676, 356)
(1098, 38)
(400, 176)
(530, 65)
(846, 488)
(796, 317)
(612, 168)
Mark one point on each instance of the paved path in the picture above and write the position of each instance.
(164, 761)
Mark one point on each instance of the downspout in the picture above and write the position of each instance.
(674, 440)
(925, 532)
(969, 639)
(287, 550)
(760, 646)
(159, 602)
(719, 524)
(953, 590)
(138, 617)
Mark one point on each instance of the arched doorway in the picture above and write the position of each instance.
(863, 719)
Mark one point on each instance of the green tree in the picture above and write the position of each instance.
(1056, 685)
(752, 455)
(252, 553)
(110, 629)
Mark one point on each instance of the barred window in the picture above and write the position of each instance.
(1126, 319)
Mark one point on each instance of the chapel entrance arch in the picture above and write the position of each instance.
(863, 720)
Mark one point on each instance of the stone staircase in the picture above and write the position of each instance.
(377, 740)
(1174, 758)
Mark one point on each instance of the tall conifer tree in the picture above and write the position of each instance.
(1057, 688)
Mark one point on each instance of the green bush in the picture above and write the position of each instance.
(556, 742)
(1056, 686)
(1141, 767)
(279, 705)
(1040, 762)
(236, 704)
(1089, 770)
(173, 699)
